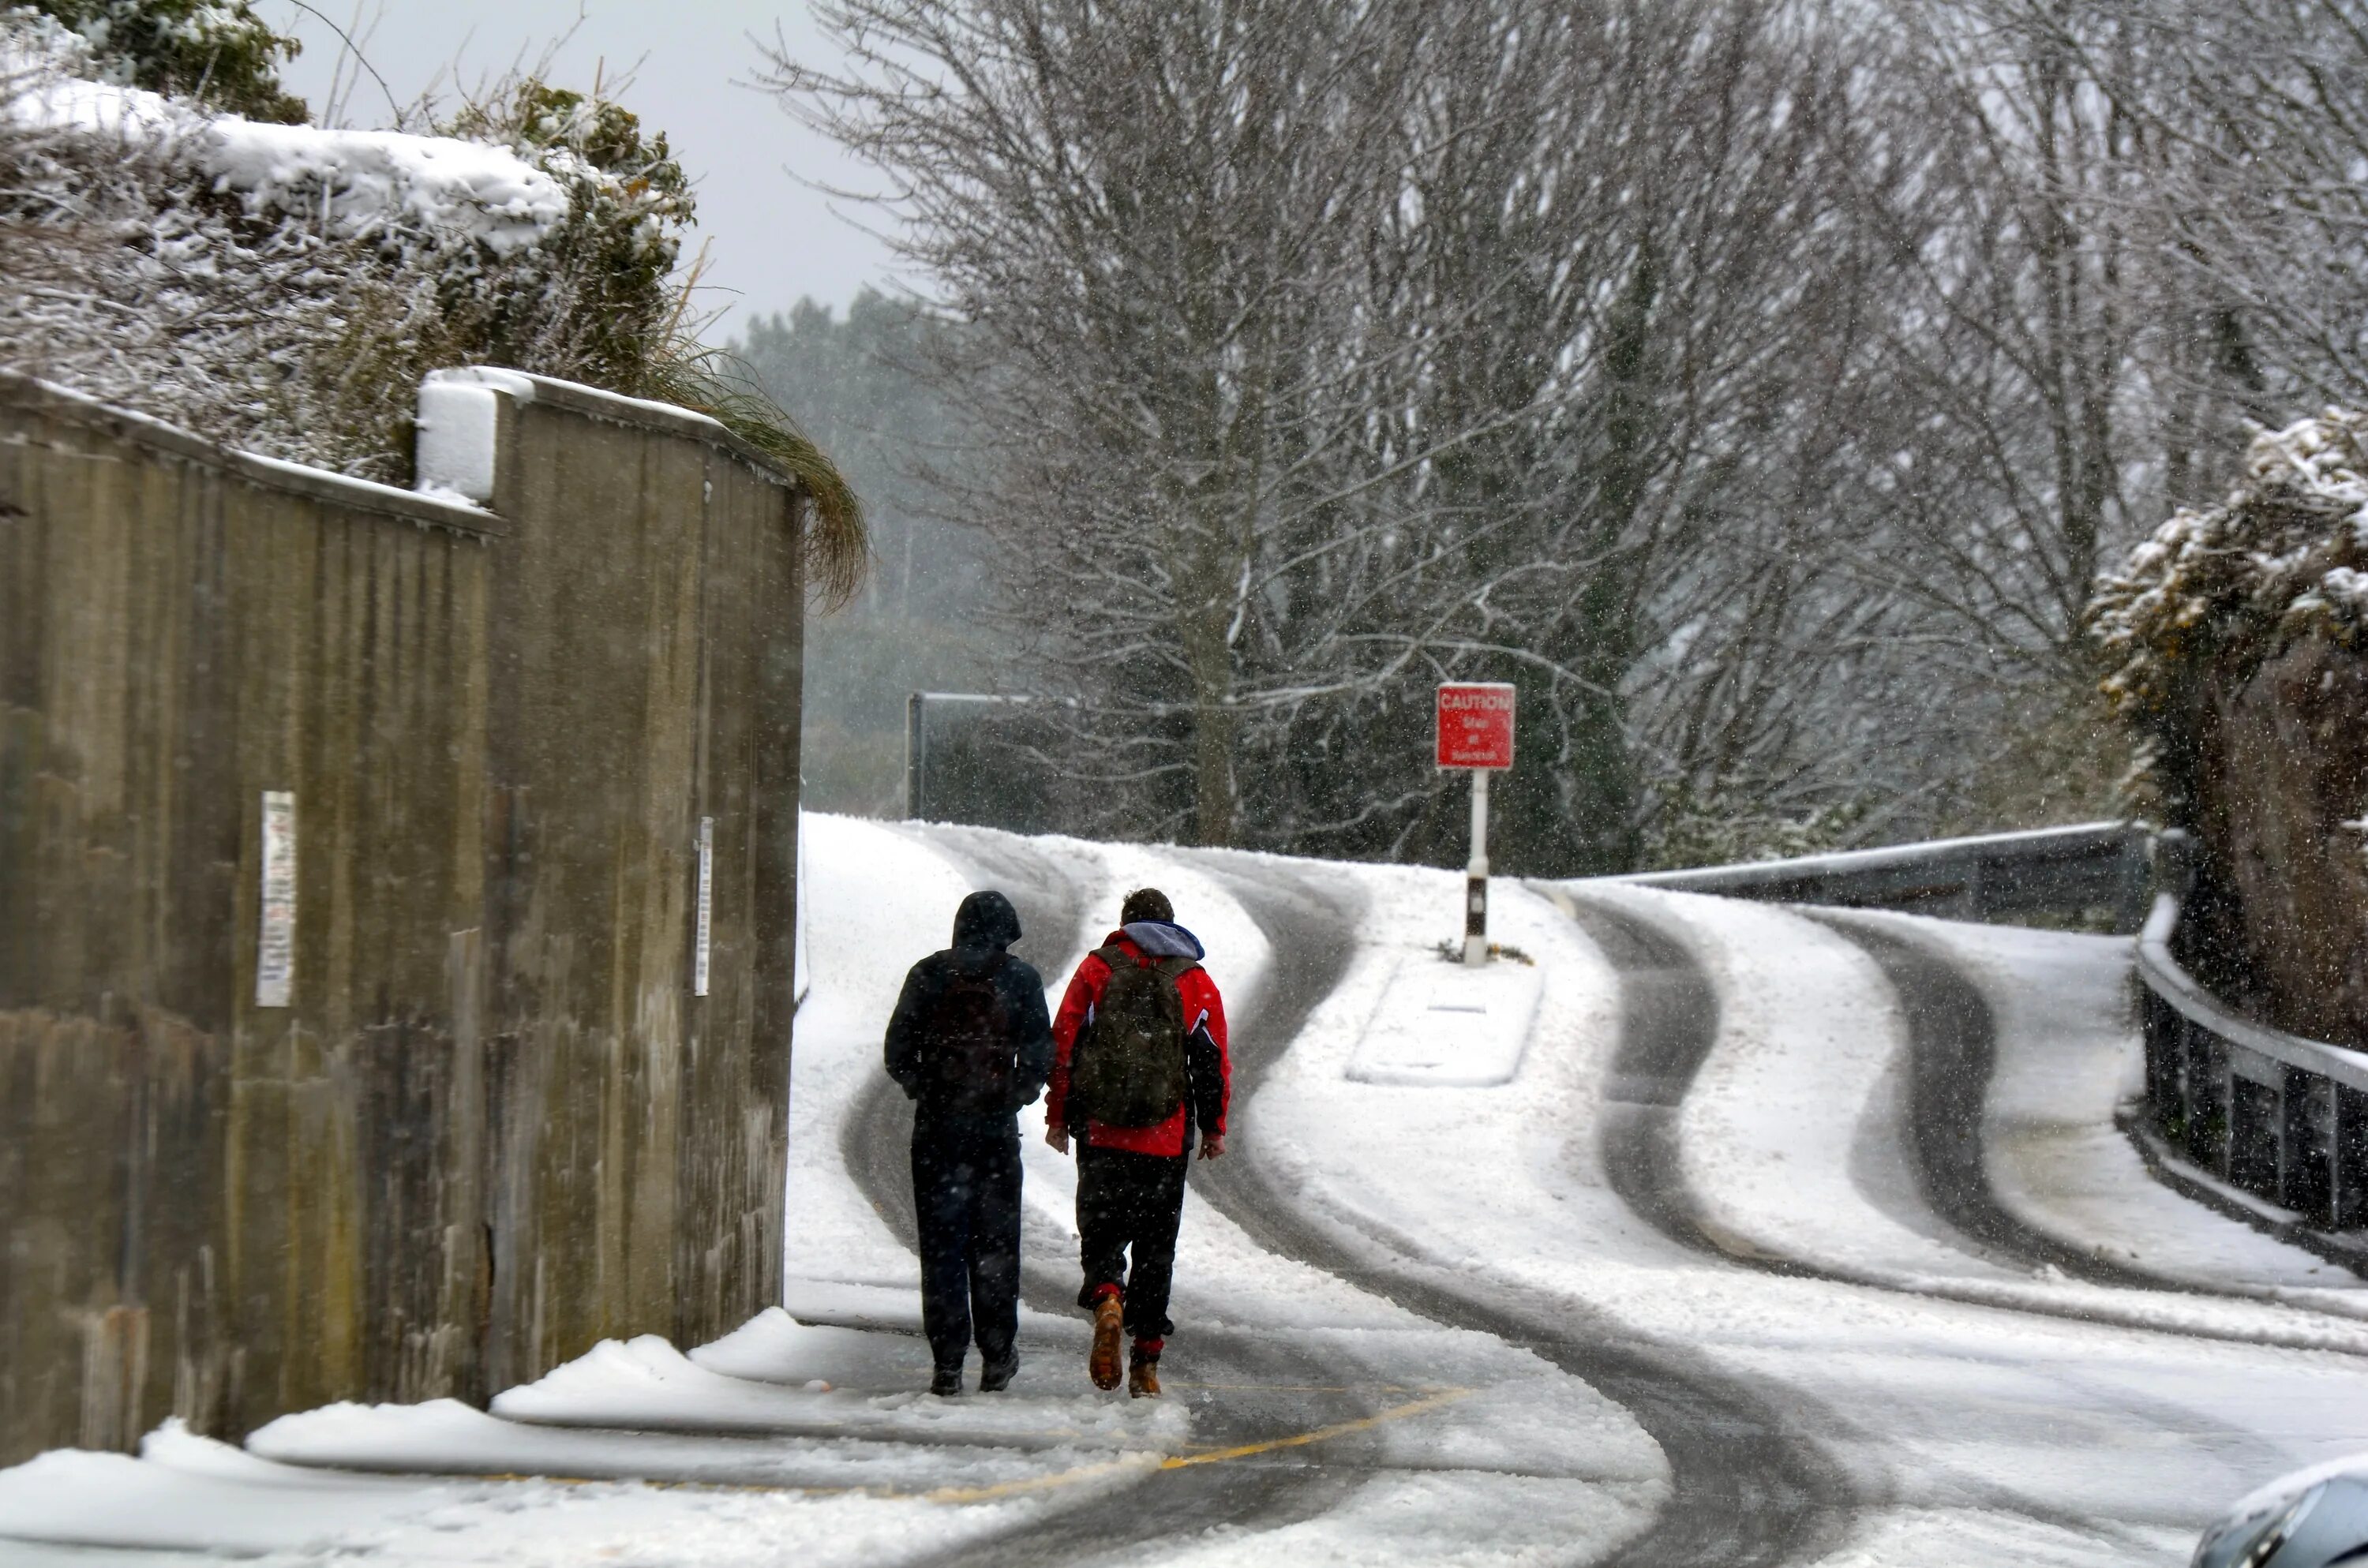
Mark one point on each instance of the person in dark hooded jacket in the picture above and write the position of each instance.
(969, 1043)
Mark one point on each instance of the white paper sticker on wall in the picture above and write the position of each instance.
(706, 900)
(275, 947)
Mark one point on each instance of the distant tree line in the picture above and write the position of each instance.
(1759, 386)
(862, 389)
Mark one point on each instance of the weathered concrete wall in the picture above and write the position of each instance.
(495, 1123)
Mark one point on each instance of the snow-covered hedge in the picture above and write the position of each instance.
(353, 184)
(2285, 555)
(283, 287)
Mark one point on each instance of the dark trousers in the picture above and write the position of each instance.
(1129, 1201)
(966, 1197)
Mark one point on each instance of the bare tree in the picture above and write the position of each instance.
(1148, 214)
(1330, 351)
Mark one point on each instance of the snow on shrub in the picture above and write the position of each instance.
(2223, 587)
(283, 287)
(216, 52)
(355, 184)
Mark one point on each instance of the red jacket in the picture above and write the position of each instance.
(1203, 1008)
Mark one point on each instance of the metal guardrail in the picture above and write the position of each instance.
(2096, 869)
(2282, 1116)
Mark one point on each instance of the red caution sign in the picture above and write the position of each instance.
(1475, 724)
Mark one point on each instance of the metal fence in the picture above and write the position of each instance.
(2281, 1117)
(2092, 874)
(982, 759)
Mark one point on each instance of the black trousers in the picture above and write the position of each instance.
(966, 1197)
(1129, 1201)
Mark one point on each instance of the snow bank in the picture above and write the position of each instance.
(646, 1384)
(188, 1492)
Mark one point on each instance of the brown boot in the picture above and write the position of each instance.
(1102, 1365)
(1142, 1374)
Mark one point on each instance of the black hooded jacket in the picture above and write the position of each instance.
(984, 927)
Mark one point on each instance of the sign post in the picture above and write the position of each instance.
(1476, 732)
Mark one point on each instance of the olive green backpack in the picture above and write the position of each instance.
(1128, 1066)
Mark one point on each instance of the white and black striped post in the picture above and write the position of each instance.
(1475, 875)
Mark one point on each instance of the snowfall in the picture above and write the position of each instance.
(1624, 1252)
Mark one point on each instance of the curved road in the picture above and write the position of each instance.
(1746, 1486)
(1749, 1484)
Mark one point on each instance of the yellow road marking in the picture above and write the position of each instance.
(1321, 1434)
(1294, 1387)
(1037, 1483)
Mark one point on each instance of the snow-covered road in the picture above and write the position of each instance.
(1726, 1235)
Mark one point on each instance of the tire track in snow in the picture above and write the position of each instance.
(1748, 1489)
(1669, 1019)
(1647, 1168)
(1166, 1505)
(1952, 1053)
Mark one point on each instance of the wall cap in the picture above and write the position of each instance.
(49, 399)
(614, 409)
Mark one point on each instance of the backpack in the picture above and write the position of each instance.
(967, 1060)
(1128, 1069)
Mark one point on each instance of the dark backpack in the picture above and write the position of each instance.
(968, 1062)
(1128, 1069)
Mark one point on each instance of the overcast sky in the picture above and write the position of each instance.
(774, 239)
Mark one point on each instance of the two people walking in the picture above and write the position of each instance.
(1136, 1063)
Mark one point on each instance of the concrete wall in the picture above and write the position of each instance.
(495, 1123)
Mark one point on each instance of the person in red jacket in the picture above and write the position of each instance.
(1131, 1179)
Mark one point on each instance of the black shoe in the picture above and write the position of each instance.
(996, 1376)
(947, 1382)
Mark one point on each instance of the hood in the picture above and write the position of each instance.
(986, 921)
(1164, 940)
